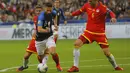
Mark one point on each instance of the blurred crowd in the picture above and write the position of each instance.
(23, 10)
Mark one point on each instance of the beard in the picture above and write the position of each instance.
(48, 16)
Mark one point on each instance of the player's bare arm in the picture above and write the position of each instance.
(34, 34)
(65, 22)
(55, 23)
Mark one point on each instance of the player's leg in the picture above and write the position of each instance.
(39, 59)
(76, 52)
(55, 33)
(55, 36)
(41, 47)
(30, 49)
(102, 41)
(110, 57)
(55, 56)
(25, 61)
(52, 49)
(44, 57)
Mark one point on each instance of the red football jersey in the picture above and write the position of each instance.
(96, 17)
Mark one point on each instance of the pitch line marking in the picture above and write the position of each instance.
(6, 69)
(89, 66)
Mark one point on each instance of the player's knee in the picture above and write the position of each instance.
(53, 53)
(104, 46)
(26, 57)
(77, 45)
(56, 36)
(107, 53)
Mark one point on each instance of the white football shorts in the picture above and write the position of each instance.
(41, 46)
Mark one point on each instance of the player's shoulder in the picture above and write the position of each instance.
(103, 6)
(41, 16)
(86, 4)
(54, 8)
(42, 13)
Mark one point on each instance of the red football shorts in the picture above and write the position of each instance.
(31, 47)
(89, 37)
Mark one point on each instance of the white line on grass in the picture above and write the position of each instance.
(6, 69)
(89, 66)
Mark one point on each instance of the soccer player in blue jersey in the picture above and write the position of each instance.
(59, 14)
(45, 43)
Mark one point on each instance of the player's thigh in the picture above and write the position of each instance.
(40, 47)
(86, 38)
(78, 43)
(51, 44)
(106, 51)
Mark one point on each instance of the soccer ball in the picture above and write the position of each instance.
(42, 68)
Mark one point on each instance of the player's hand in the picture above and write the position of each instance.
(113, 20)
(68, 13)
(56, 27)
(65, 22)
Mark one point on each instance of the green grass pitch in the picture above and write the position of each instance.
(92, 59)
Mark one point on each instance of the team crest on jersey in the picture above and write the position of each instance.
(97, 10)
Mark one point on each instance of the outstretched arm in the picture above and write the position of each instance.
(113, 16)
(78, 12)
(63, 16)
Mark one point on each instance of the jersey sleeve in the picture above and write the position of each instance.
(54, 13)
(112, 14)
(81, 10)
(62, 14)
(40, 19)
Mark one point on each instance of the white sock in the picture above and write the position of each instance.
(76, 53)
(25, 62)
(45, 59)
(112, 60)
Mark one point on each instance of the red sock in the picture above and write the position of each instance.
(55, 39)
(56, 59)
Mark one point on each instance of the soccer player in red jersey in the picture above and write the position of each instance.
(31, 47)
(95, 31)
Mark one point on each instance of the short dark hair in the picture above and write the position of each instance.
(48, 4)
(38, 6)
